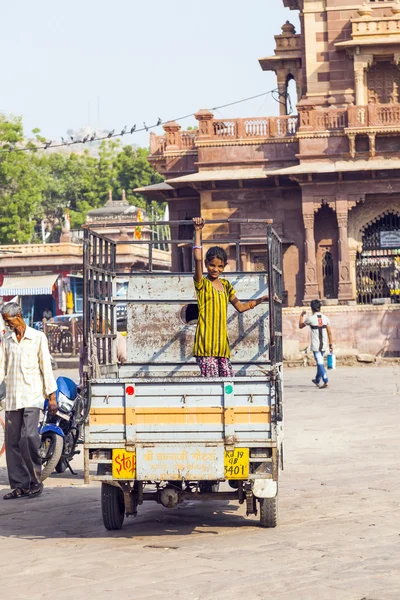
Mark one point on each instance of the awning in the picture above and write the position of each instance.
(220, 175)
(28, 285)
(155, 187)
(337, 166)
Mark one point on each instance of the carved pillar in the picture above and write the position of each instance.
(361, 64)
(204, 118)
(282, 89)
(311, 291)
(353, 271)
(345, 285)
(359, 78)
(173, 137)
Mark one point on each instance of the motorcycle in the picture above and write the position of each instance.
(62, 432)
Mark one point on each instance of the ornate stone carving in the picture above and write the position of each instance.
(372, 150)
(344, 274)
(362, 216)
(308, 221)
(359, 73)
(342, 219)
(352, 144)
(258, 230)
(310, 273)
(320, 201)
(354, 199)
(383, 83)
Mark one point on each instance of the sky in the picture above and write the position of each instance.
(67, 65)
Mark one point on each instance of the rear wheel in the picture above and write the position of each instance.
(112, 506)
(268, 512)
(50, 452)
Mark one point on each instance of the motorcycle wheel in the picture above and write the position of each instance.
(61, 466)
(82, 408)
(50, 451)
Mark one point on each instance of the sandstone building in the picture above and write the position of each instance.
(328, 176)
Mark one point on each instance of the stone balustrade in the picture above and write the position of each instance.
(262, 127)
(61, 249)
(376, 26)
(330, 119)
(216, 130)
(375, 115)
(372, 116)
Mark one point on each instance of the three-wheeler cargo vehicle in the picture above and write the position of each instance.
(157, 431)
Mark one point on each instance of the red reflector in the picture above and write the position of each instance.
(130, 390)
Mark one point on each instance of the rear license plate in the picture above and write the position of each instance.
(123, 464)
(163, 462)
(237, 463)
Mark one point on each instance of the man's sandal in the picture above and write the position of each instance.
(36, 490)
(15, 494)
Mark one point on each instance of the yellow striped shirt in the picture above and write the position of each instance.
(211, 338)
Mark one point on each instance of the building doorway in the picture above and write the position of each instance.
(378, 265)
(328, 275)
(383, 83)
(326, 236)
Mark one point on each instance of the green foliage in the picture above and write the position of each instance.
(36, 185)
(21, 186)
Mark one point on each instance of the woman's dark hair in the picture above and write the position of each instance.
(216, 252)
(315, 305)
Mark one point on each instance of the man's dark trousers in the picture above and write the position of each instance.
(22, 447)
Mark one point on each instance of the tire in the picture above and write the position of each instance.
(66, 345)
(52, 455)
(268, 512)
(82, 408)
(112, 506)
(61, 466)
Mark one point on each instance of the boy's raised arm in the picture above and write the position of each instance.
(197, 248)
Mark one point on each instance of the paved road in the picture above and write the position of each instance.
(338, 537)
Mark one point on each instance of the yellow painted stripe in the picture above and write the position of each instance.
(179, 416)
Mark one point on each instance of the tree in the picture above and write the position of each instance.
(133, 171)
(36, 185)
(21, 185)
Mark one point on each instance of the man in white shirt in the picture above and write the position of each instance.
(25, 364)
(321, 339)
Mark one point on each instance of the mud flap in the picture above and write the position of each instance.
(265, 488)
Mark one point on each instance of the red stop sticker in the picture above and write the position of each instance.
(130, 390)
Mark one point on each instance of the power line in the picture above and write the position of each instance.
(125, 131)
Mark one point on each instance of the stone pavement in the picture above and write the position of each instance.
(338, 537)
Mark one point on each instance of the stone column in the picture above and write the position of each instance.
(282, 88)
(345, 285)
(311, 291)
(361, 64)
(359, 78)
(353, 271)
